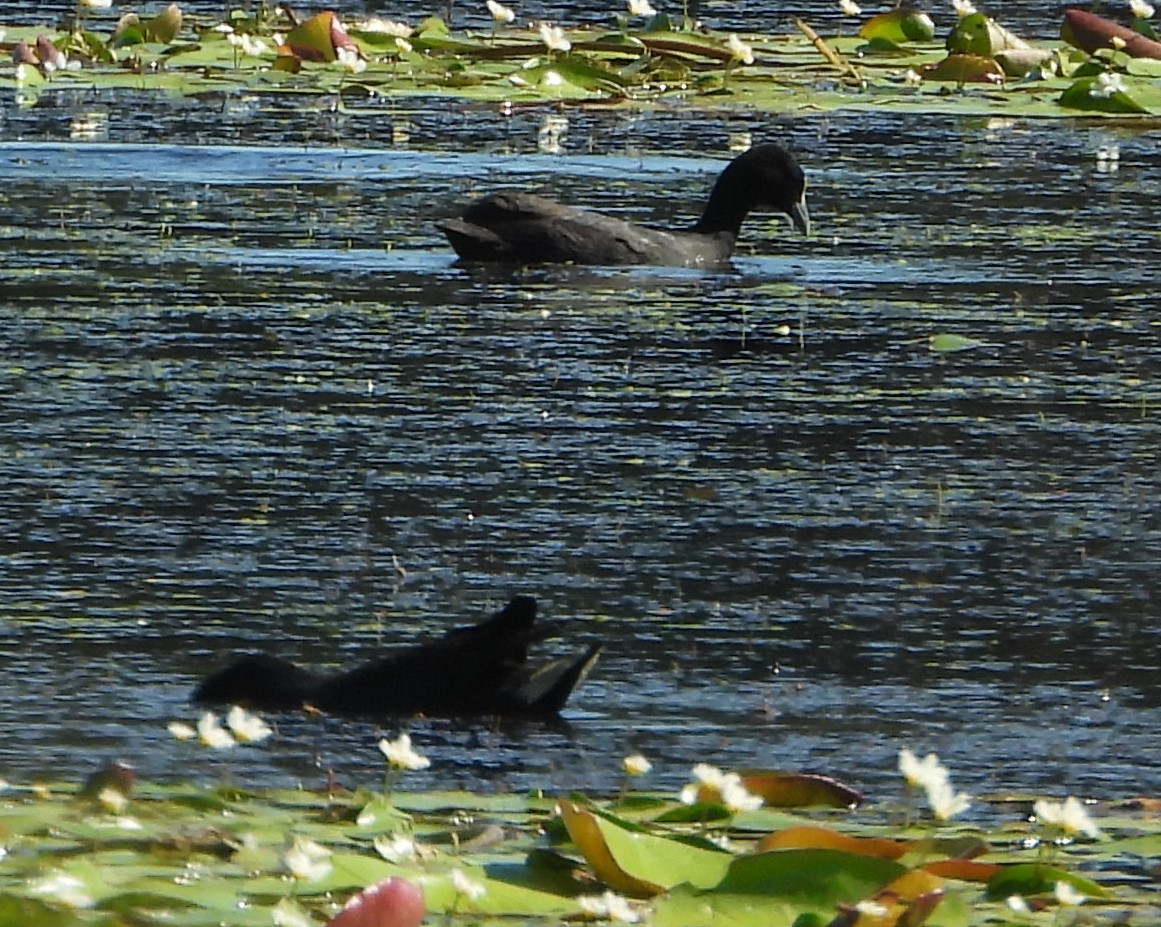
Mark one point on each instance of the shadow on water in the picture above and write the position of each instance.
(233, 421)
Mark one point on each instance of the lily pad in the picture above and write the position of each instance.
(902, 24)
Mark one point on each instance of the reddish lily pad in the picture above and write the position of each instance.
(1090, 33)
(319, 38)
(799, 790)
(907, 901)
(966, 870)
(965, 69)
(806, 836)
(394, 902)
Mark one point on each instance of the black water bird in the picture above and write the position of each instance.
(477, 670)
(520, 228)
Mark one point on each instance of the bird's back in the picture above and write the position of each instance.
(528, 229)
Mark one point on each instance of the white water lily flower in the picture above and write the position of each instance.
(396, 848)
(739, 50)
(351, 60)
(1141, 9)
(63, 889)
(181, 730)
(1067, 895)
(1069, 815)
(709, 775)
(288, 914)
(730, 790)
(636, 765)
(641, 8)
(925, 773)
(1106, 85)
(946, 803)
(608, 907)
(97, 4)
(400, 754)
(247, 728)
(737, 797)
(500, 13)
(850, 8)
(932, 776)
(247, 44)
(467, 887)
(554, 38)
(307, 860)
(113, 800)
(963, 8)
(212, 734)
(386, 27)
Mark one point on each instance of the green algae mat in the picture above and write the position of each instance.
(889, 61)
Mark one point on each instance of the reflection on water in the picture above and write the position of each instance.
(806, 537)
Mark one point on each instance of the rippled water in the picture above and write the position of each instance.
(231, 419)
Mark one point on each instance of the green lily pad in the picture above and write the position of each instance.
(902, 24)
(1095, 95)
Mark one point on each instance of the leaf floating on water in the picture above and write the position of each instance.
(1105, 93)
(905, 902)
(980, 35)
(800, 790)
(1090, 33)
(902, 24)
(319, 38)
(809, 836)
(1017, 62)
(965, 69)
(127, 32)
(947, 344)
(1037, 879)
(966, 870)
(637, 863)
(165, 26)
(821, 878)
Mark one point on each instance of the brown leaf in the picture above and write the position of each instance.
(1090, 32)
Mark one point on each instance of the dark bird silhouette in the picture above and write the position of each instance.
(520, 228)
(478, 670)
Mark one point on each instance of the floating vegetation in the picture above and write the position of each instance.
(728, 849)
(642, 57)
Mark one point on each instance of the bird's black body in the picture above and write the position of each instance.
(477, 670)
(520, 228)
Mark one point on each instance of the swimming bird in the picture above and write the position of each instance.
(521, 228)
(477, 670)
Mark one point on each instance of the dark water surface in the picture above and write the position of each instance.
(230, 419)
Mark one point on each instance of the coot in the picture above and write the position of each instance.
(477, 670)
(520, 228)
